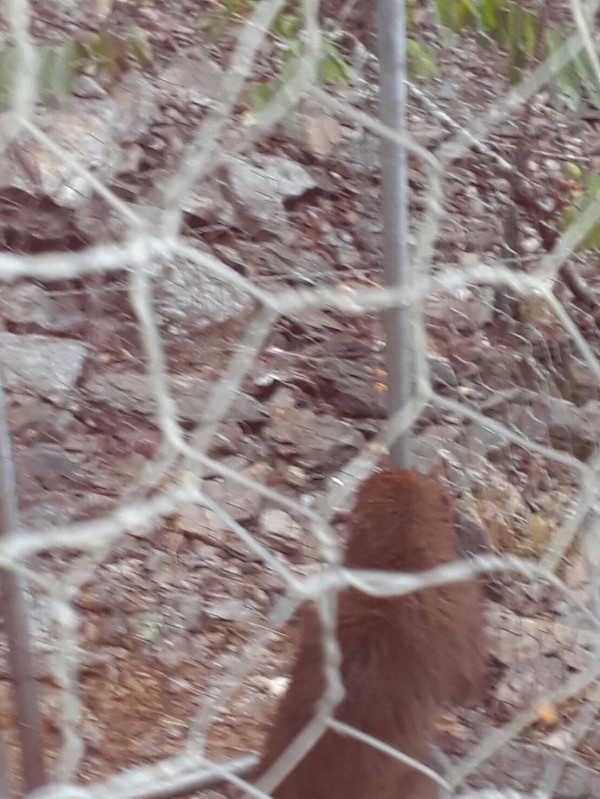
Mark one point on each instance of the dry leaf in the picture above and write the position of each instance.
(547, 714)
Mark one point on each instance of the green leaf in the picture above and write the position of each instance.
(502, 31)
(259, 95)
(529, 24)
(105, 49)
(223, 16)
(333, 67)
(286, 26)
(488, 14)
(569, 87)
(566, 80)
(591, 194)
(291, 59)
(139, 45)
(238, 9)
(592, 186)
(573, 170)
(467, 14)
(421, 62)
(591, 240)
(446, 14)
(554, 38)
(585, 72)
(58, 65)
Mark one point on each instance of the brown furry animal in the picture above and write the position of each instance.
(403, 659)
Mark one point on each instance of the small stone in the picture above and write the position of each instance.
(88, 88)
(48, 465)
(276, 524)
(177, 686)
(227, 610)
(198, 521)
(191, 608)
(240, 502)
(170, 659)
(295, 476)
(274, 686)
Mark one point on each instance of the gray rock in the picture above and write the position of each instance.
(443, 376)
(48, 465)
(241, 503)
(40, 364)
(295, 476)
(130, 395)
(227, 610)
(207, 203)
(41, 185)
(556, 422)
(251, 193)
(318, 444)
(87, 87)
(90, 130)
(192, 79)
(198, 521)
(524, 766)
(282, 530)
(490, 510)
(288, 178)
(465, 310)
(188, 299)
(191, 608)
(34, 420)
(258, 189)
(41, 311)
(350, 388)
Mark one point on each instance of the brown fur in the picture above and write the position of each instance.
(404, 659)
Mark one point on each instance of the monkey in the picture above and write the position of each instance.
(404, 659)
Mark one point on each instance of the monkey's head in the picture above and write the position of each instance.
(401, 520)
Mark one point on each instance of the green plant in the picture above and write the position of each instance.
(286, 28)
(588, 196)
(104, 54)
(521, 33)
(332, 67)
(516, 30)
(223, 15)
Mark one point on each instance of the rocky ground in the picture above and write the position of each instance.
(164, 618)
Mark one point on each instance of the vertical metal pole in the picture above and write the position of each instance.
(394, 178)
(16, 624)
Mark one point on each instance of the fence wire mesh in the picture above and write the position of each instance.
(192, 351)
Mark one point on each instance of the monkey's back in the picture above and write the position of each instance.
(403, 658)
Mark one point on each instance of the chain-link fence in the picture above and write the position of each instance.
(192, 349)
